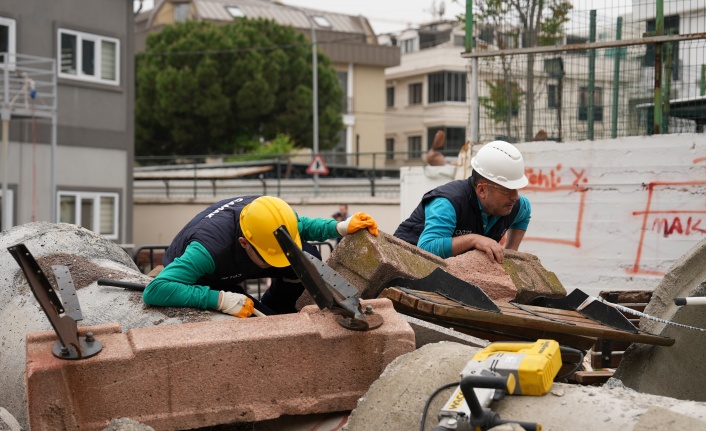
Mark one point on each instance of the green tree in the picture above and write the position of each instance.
(504, 100)
(204, 88)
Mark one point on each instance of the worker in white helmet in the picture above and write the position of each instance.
(477, 212)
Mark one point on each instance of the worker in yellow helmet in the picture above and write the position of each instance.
(232, 241)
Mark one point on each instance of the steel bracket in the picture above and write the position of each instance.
(62, 313)
(328, 288)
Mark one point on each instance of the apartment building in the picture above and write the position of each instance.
(67, 86)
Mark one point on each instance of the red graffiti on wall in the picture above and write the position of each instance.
(668, 223)
(552, 178)
(674, 226)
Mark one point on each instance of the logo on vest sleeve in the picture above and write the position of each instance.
(460, 232)
(224, 206)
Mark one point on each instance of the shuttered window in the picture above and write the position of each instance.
(7, 41)
(94, 211)
(89, 57)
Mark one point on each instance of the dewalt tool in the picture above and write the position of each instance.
(502, 368)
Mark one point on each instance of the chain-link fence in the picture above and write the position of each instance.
(570, 74)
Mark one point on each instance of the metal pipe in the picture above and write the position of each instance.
(659, 31)
(6, 219)
(315, 87)
(474, 119)
(616, 81)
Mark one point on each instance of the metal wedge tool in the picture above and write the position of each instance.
(328, 288)
(449, 286)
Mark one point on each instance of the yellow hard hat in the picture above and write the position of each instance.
(258, 221)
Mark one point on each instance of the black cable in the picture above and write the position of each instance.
(431, 397)
(578, 364)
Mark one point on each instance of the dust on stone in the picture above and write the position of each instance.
(84, 272)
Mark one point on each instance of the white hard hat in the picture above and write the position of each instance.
(502, 163)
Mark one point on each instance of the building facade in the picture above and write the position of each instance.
(69, 74)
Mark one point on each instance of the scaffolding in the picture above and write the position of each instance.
(28, 91)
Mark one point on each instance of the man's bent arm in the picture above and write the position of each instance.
(175, 285)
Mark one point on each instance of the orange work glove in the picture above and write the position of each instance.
(235, 304)
(356, 222)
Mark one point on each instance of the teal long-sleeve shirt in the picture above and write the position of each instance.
(440, 223)
(175, 285)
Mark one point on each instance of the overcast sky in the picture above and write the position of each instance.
(388, 16)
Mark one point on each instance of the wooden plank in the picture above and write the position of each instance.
(591, 377)
(616, 345)
(538, 320)
(638, 296)
(614, 361)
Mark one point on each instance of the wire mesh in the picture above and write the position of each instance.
(538, 79)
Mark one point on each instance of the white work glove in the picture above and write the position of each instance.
(356, 222)
(235, 304)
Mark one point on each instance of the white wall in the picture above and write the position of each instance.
(611, 214)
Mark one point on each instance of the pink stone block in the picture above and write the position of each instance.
(210, 373)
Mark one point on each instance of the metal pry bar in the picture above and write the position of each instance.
(328, 288)
(70, 345)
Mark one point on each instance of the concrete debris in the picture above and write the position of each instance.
(395, 402)
(369, 262)
(654, 387)
(89, 257)
(644, 367)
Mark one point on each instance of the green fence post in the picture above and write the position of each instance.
(659, 31)
(591, 76)
(616, 80)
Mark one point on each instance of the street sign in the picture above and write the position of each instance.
(317, 166)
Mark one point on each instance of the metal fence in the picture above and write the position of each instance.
(600, 75)
(215, 177)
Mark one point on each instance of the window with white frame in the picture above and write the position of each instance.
(8, 41)
(390, 97)
(94, 211)
(408, 45)
(235, 11)
(181, 12)
(389, 148)
(89, 57)
(415, 93)
(414, 147)
(321, 21)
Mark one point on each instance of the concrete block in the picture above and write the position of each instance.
(530, 277)
(677, 370)
(202, 374)
(368, 262)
